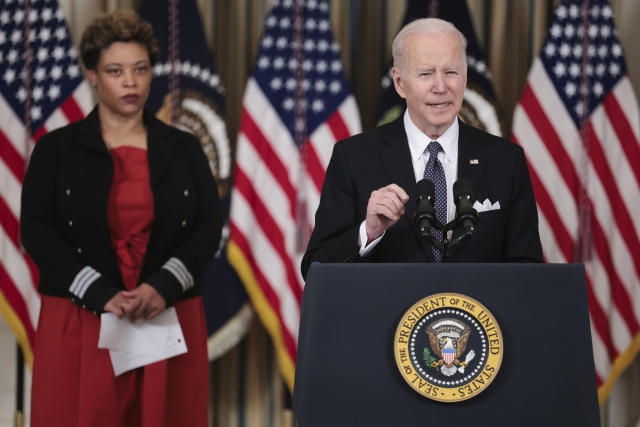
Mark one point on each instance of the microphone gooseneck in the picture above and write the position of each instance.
(424, 215)
(464, 198)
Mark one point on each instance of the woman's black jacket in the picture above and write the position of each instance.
(63, 218)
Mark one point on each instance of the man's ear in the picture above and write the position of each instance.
(398, 82)
(466, 69)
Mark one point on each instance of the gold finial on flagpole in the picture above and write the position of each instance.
(18, 419)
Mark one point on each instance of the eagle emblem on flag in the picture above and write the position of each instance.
(448, 339)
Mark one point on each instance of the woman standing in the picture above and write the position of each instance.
(120, 213)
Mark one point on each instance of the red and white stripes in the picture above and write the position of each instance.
(18, 274)
(554, 148)
(266, 188)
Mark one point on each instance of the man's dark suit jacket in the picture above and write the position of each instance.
(369, 161)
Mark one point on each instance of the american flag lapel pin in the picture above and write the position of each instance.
(474, 161)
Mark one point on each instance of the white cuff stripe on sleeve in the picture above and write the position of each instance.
(79, 277)
(177, 274)
(83, 280)
(178, 269)
(94, 276)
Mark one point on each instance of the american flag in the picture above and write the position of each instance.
(297, 104)
(579, 123)
(41, 88)
(199, 110)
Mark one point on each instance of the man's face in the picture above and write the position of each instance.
(434, 81)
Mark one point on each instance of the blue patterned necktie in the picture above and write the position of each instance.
(434, 171)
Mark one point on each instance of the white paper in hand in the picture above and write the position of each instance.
(132, 345)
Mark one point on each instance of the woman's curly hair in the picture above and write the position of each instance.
(117, 26)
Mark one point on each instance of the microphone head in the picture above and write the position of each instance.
(425, 186)
(462, 188)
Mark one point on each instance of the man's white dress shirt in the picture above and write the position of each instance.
(418, 143)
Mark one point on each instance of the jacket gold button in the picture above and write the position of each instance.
(70, 223)
(68, 192)
(184, 223)
(186, 193)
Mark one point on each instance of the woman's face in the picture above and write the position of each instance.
(123, 78)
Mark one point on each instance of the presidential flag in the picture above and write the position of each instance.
(579, 124)
(480, 107)
(186, 91)
(297, 104)
(41, 89)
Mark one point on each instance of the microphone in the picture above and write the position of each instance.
(424, 215)
(464, 198)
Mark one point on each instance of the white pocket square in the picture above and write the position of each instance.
(486, 206)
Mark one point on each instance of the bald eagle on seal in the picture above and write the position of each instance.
(459, 345)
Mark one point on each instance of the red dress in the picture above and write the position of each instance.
(73, 380)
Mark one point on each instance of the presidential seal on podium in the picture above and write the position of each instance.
(448, 347)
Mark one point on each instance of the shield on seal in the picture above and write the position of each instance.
(448, 355)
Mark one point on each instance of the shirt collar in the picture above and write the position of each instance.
(418, 141)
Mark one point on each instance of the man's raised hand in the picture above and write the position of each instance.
(384, 209)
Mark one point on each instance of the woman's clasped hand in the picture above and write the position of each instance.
(144, 302)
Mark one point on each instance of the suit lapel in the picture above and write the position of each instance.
(160, 145)
(160, 142)
(467, 153)
(396, 158)
(90, 135)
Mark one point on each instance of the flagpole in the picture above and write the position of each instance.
(583, 246)
(19, 414)
(300, 127)
(18, 420)
(174, 60)
(433, 8)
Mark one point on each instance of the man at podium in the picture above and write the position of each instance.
(368, 198)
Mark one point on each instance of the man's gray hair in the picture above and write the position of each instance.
(425, 27)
